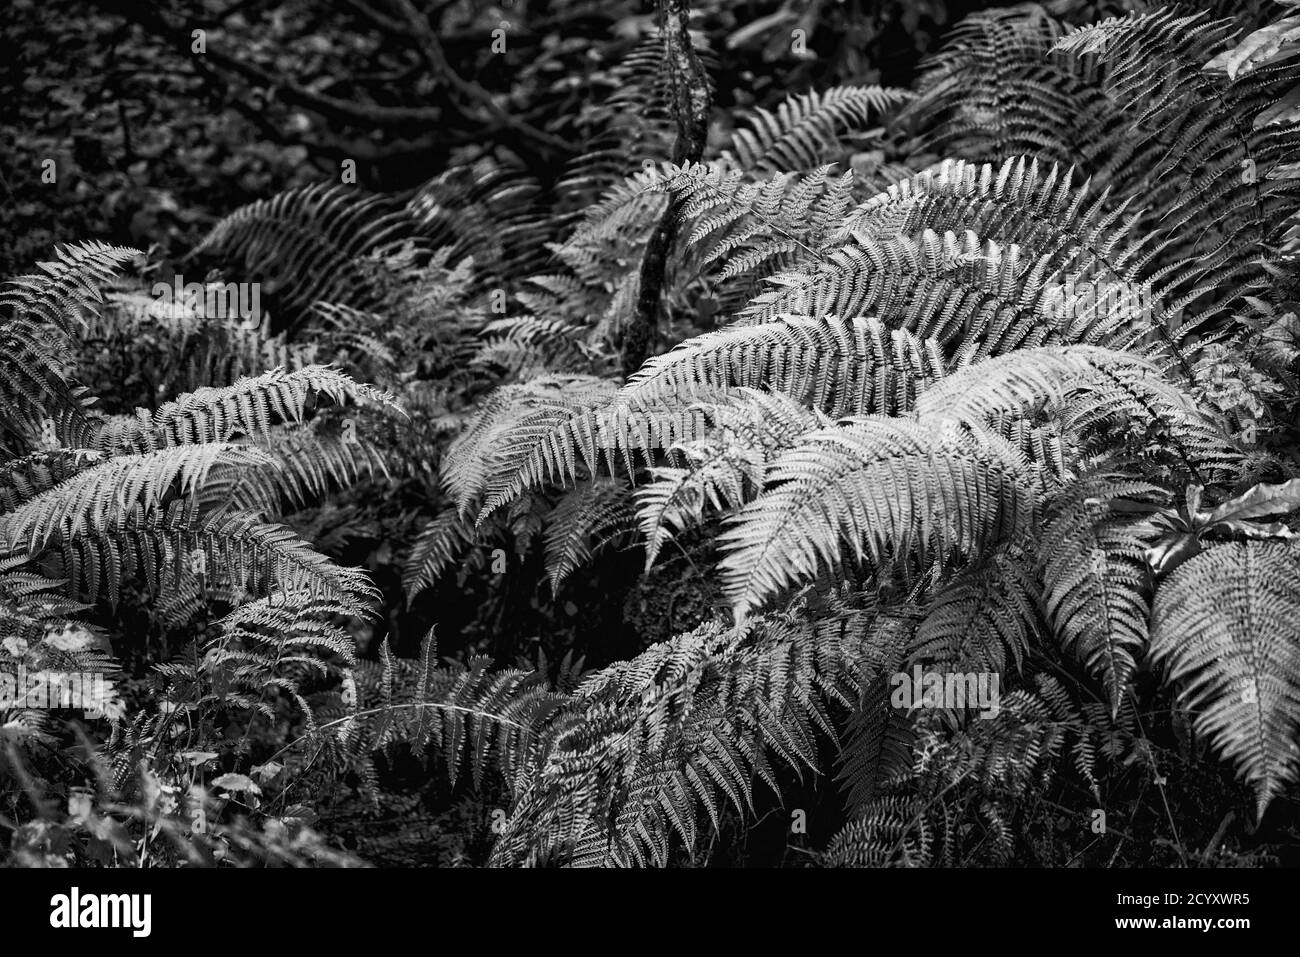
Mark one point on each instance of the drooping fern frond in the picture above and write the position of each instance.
(1226, 630)
(1012, 202)
(1191, 148)
(1096, 590)
(553, 441)
(877, 746)
(67, 287)
(473, 458)
(1087, 387)
(587, 519)
(804, 130)
(321, 243)
(106, 494)
(437, 546)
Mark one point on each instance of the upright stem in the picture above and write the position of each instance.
(690, 89)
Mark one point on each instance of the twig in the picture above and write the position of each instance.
(431, 50)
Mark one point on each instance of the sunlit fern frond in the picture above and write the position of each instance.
(873, 490)
(139, 515)
(1017, 382)
(555, 430)
(304, 463)
(1044, 210)
(837, 366)
(1087, 387)
(67, 287)
(472, 460)
(109, 491)
(248, 408)
(975, 297)
(722, 471)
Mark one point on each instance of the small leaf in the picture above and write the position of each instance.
(265, 772)
(1171, 551)
(1273, 42)
(1284, 111)
(1259, 501)
(238, 783)
(196, 758)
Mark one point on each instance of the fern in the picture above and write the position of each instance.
(1223, 630)
(886, 489)
(38, 314)
(805, 128)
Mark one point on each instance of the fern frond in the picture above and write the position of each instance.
(108, 492)
(875, 489)
(1226, 631)
(877, 748)
(805, 130)
(683, 726)
(247, 408)
(436, 547)
(1096, 591)
(723, 470)
(984, 618)
(38, 314)
(321, 243)
(839, 367)
(586, 519)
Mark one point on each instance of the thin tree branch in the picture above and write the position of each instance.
(431, 50)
